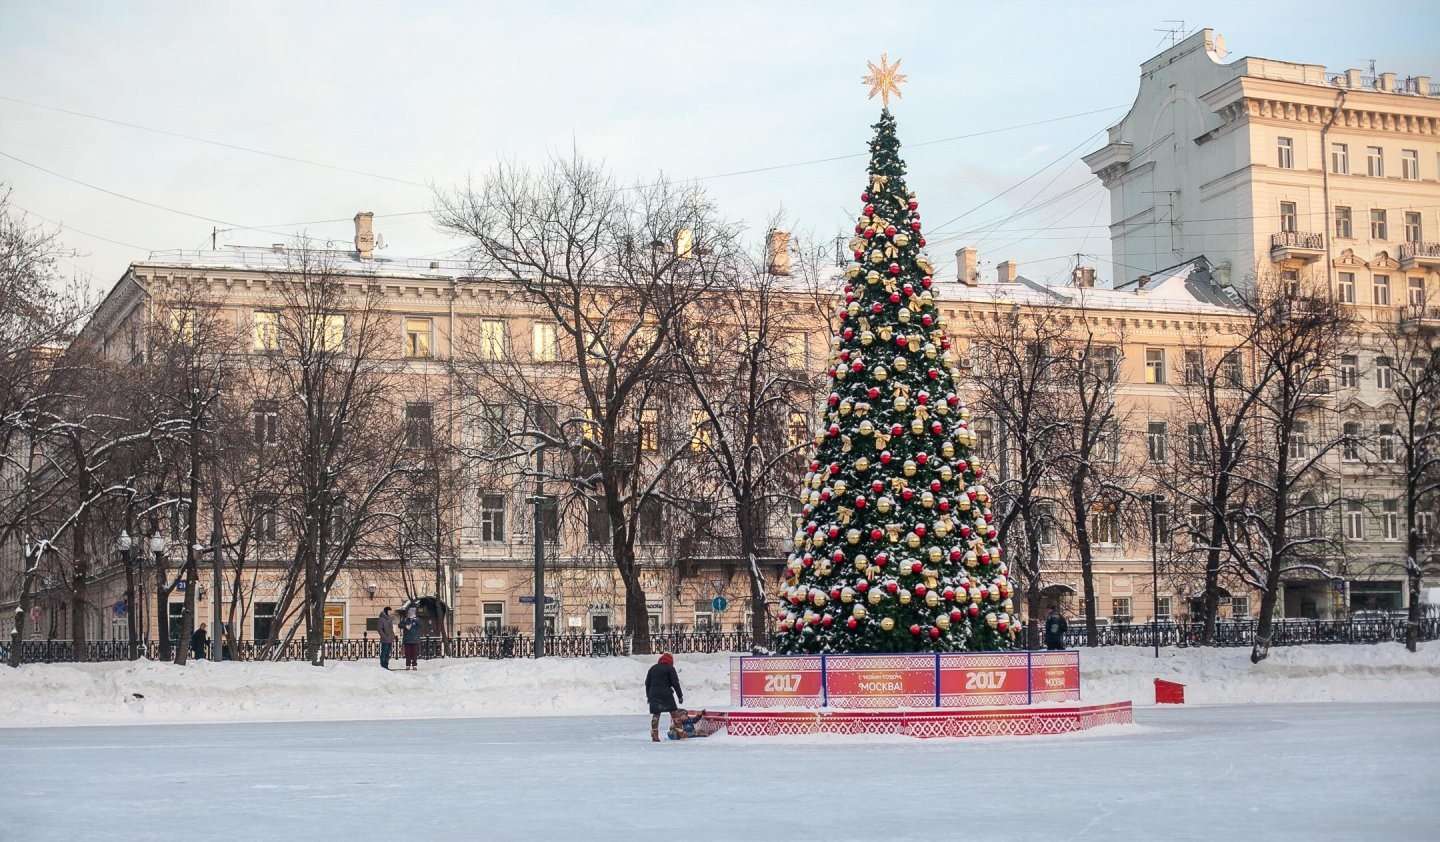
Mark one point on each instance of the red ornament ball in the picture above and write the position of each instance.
(881, 559)
(834, 430)
(920, 529)
(892, 586)
(921, 241)
(860, 502)
(922, 458)
(862, 586)
(894, 296)
(925, 281)
(877, 308)
(851, 624)
(865, 197)
(869, 210)
(834, 399)
(933, 374)
(955, 554)
(914, 205)
(885, 457)
(834, 467)
(922, 398)
(936, 428)
(875, 535)
(973, 610)
(921, 590)
(894, 268)
(906, 494)
(915, 226)
(956, 615)
(873, 392)
(869, 234)
(896, 430)
(827, 620)
(916, 567)
(889, 230)
(915, 629)
(934, 633)
(935, 485)
(926, 320)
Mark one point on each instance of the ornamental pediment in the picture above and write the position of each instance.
(1383, 260)
(1348, 260)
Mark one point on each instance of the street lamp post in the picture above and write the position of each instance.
(539, 500)
(123, 545)
(1157, 502)
(158, 547)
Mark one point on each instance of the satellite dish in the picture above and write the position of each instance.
(1219, 47)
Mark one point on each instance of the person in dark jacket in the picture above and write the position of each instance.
(385, 624)
(199, 643)
(410, 637)
(662, 686)
(1055, 627)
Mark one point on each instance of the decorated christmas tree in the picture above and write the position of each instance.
(896, 549)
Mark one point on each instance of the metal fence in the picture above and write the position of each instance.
(619, 642)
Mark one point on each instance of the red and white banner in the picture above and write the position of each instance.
(877, 682)
(880, 681)
(770, 682)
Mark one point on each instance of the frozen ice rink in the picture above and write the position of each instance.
(1325, 771)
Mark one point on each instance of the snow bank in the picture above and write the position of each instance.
(153, 693)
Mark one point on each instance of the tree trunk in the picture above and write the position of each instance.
(1087, 564)
(1032, 608)
(1261, 650)
(759, 621)
(187, 617)
(162, 611)
(22, 609)
(132, 630)
(1412, 571)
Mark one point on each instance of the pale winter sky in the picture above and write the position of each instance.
(427, 93)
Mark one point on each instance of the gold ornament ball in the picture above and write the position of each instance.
(880, 372)
(818, 598)
(904, 597)
(948, 451)
(927, 499)
(839, 487)
(887, 624)
(901, 363)
(866, 337)
(991, 620)
(904, 315)
(910, 468)
(943, 621)
(862, 464)
(883, 505)
(852, 271)
(871, 277)
(1008, 605)
(853, 536)
(847, 595)
(916, 426)
(853, 308)
(867, 427)
(901, 403)
(822, 569)
(935, 555)
(875, 596)
(912, 540)
(932, 599)
(970, 559)
(859, 613)
(877, 256)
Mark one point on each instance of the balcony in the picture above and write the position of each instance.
(1420, 316)
(1297, 245)
(1420, 256)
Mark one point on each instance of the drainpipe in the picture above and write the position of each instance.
(1325, 190)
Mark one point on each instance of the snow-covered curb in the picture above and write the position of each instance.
(154, 693)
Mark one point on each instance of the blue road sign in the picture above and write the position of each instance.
(719, 603)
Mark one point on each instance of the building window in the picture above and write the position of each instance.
(649, 430)
(1354, 521)
(1382, 290)
(1410, 164)
(1107, 443)
(262, 620)
(1340, 158)
(1197, 442)
(1194, 368)
(1102, 361)
(334, 621)
(266, 415)
(597, 522)
(1390, 519)
(1384, 375)
(177, 620)
(1350, 445)
(1287, 217)
(1344, 227)
(492, 617)
(651, 521)
(799, 429)
(1162, 609)
(700, 430)
(1416, 291)
(543, 420)
(1239, 607)
(420, 518)
(1412, 227)
(1385, 443)
(1120, 609)
(543, 346)
(493, 420)
(1424, 523)
(1154, 365)
(492, 335)
(418, 334)
(1232, 369)
(550, 520)
(1347, 287)
(1290, 281)
(1378, 228)
(704, 616)
(984, 438)
(492, 518)
(1155, 441)
(1349, 371)
(1285, 153)
(1300, 440)
(419, 432)
(1105, 524)
(265, 330)
(1045, 524)
(1374, 162)
(793, 351)
(327, 332)
(267, 517)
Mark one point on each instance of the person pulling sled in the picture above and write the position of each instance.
(662, 686)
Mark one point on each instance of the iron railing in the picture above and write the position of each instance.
(617, 642)
(1420, 249)
(1297, 239)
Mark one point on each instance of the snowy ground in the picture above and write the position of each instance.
(106, 694)
(1273, 772)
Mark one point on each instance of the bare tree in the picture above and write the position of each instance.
(741, 352)
(1018, 366)
(1092, 464)
(1297, 331)
(1411, 357)
(610, 272)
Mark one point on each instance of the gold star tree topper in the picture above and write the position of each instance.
(885, 79)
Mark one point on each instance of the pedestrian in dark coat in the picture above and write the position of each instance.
(199, 643)
(1055, 627)
(385, 624)
(662, 686)
(410, 637)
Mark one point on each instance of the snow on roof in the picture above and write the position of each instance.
(1185, 288)
(281, 258)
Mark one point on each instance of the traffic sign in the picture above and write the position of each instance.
(119, 608)
(529, 599)
(719, 603)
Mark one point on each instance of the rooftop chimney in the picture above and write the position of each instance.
(777, 252)
(967, 269)
(365, 234)
(1007, 271)
(1083, 277)
(1387, 81)
(1142, 282)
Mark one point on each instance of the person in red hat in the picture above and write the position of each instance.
(662, 686)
